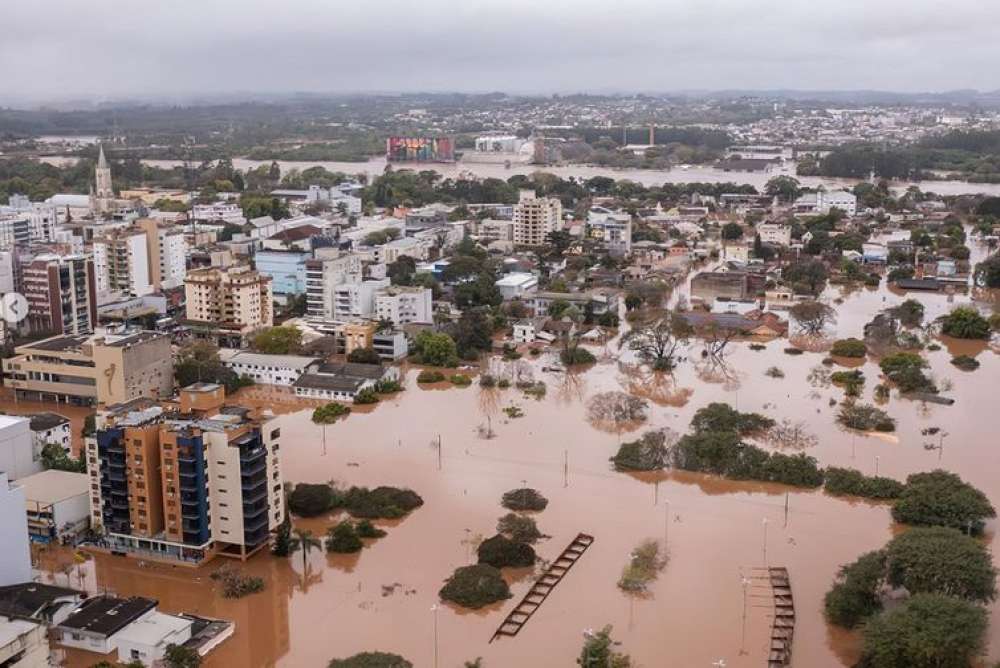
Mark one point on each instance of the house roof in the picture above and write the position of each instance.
(299, 233)
(107, 615)
(51, 486)
(315, 381)
(29, 599)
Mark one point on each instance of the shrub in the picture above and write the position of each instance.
(576, 355)
(939, 560)
(723, 417)
(648, 453)
(852, 381)
(366, 396)
(939, 498)
(364, 356)
(757, 347)
(855, 592)
(475, 586)
(460, 380)
(503, 383)
(793, 351)
(371, 660)
(366, 529)
(388, 386)
(524, 498)
(310, 500)
(849, 348)
(513, 412)
(236, 584)
(343, 538)
(330, 413)
(487, 380)
(799, 470)
(519, 528)
(965, 362)
(536, 389)
(851, 482)
(645, 563)
(381, 502)
(774, 372)
(428, 376)
(865, 417)
(905, 370)
(501, 552)
(926, 631)
(965, 322)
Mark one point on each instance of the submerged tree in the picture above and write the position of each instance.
(657, 339)
(813, 317)
(599, 651)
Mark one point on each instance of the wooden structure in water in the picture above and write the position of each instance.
(783, 625)
(543, 586)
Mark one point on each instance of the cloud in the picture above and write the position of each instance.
(62, 49)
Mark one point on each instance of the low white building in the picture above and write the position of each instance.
(403, 305)
(17, 457)
(821, 202)
(516, 285)
(96, 624)
(147, 638)
(24, 644)
(342, 381)
(218, 211)
(267, 369)
(50, 428)
(57, 504)
(775, 234)
(15, 557)
(735, 253)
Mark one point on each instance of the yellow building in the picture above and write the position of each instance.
(231, 301)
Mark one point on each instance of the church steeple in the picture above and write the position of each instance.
(102, 163)
(104, 193)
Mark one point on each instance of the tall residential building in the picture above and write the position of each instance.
(103, 196)
(15, 557)
(122, 263)
(61, 294)
(42, 216)
(185, 482)
(84, 370)
(234, 300)
(535, 217)
(167, 252)
(323, 276)
(356, 300)
(404, 305)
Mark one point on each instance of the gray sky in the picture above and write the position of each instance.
(59, 49)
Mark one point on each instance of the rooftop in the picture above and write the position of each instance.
(233, 356)
(153, 629)
(51, 486)
(107, 615)
(29, 599)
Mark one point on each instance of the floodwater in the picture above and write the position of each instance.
(715, 530)
(647, 177)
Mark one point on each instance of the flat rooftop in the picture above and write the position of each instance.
(52, 486)
(107, 615)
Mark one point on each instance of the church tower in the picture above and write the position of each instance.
(104, 194)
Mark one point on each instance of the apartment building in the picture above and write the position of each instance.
(167, 250)
(286, 268)
(234, 301)
(323, 276)
(185, 482)
(404, 304)
(535, 217)
(356, 300)
(122, 263)
(612, 230)
(61, 292)
(84, 370)
(225, 212)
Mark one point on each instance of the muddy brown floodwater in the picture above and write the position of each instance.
(382, 598)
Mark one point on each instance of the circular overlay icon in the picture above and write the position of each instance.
(13, 307)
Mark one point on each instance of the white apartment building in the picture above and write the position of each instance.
(236, 298)
(50, 428)
(613, 230)
(17, 458)
(267, 369)
(225, 212)
(535, 217)
(15, 557)
(404, 304)
(821, 201)
(775, 234)
(323, 276)
(122, 263)
(42, 216)
(167, 252)
(356, 300)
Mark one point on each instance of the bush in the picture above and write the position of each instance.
(501, 552)
(460, 380)
(852, 381)
(648, 453)
(236, 584)
(371, 660)
(310, 500)
(503, 383)
(926, 631)
(723, 417)
(793, 351)
(428, 376)
(905, 370)
(940, 498)
(965, 362)
(524, 498)
(342, 538)
(849, 348)
(475, 586)
(487, 381)
(366, 529)
(330, 413)
(364, 356)
(939, 560)
(366, 396)
(576, 356)
(799, 470)
(645, 564)
(388, 386)
(723, 453)
(519, 528)
(774, 372)
(855, 592)
(435, 349)
(381, 502)
(965, 322)
(850, 482)
(865, 417)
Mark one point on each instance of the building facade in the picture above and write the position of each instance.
(61, 294)
(235, 300)
(403, 305)
(535, 217)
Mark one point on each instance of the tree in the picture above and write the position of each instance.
(854, 348)
(312, 499)
(436, 349)
(940, 498)
(598, 651)
(926, 631)
(855, 594)
(864, 417)
(732, 231)
(342, 538)
(327, 415)
(719, 417)
(524, 498)
(179, 656)
(364, 356)
(965, 322)
(284, 340)
(905, 370)
(786, 188)
(305, 541)
(909, 313)
(518, 528)
(807, 276)
(402, 270)
(473, 333)
(813, 316)
(199, 362)
(657, 339)
(475, 586)
(53, 456)
(987, 273)
(940, 560)
(648, 453)
(502, 552)
(371, 660)
(283, 542)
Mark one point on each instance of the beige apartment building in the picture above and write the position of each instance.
(86, 370)
(230, 302)
(535, 217)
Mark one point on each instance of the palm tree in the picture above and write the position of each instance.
(304, 539)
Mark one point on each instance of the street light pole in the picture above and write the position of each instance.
(434, 609)
(765, 540)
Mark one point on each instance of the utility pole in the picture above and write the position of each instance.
(439, 452)
(565, 468)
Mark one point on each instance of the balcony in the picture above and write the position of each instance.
(250, 470)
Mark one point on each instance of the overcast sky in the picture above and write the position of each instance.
(59, 49)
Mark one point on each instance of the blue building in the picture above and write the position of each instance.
(287, 269)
